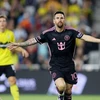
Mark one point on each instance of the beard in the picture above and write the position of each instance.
(60, 25)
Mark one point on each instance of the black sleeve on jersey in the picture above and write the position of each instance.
(41, 39)
(77, 34)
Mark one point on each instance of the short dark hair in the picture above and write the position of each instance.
(59, 12)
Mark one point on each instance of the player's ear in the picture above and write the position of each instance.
(53, 21)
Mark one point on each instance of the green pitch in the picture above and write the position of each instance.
(51, 97)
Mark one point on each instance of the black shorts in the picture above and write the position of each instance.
(70, 76)
(8, 70)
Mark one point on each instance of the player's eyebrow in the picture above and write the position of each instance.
(59, 17)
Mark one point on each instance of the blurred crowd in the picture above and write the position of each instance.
(28, 18)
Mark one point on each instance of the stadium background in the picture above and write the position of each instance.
(27, 19)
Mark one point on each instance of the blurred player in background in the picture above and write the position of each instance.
(61, 41)
(6, 59)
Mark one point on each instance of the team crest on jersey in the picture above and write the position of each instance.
(8, 36)
(67, 37)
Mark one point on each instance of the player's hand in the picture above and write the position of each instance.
(12, 46)
(25, 53)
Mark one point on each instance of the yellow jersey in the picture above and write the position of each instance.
(5, 54)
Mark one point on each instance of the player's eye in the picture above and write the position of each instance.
(62, 18)
(2, 21)
(57, 17)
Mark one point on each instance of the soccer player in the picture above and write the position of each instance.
(61, 42)
(6, 60)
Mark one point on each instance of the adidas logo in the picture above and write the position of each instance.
(53, 39)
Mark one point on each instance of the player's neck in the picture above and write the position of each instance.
(59, 29)
(2, 30)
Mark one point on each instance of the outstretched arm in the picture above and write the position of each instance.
(89, 38)
(26, 43)
(29, 42)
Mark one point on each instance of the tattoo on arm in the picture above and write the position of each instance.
(28, 42)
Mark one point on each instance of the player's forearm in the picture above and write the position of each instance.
(19, 49)
(27, 43)
(90, 39)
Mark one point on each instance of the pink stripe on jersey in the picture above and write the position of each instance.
(67, 27)
(51, 29)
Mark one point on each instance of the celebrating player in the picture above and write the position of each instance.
(61, 41)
